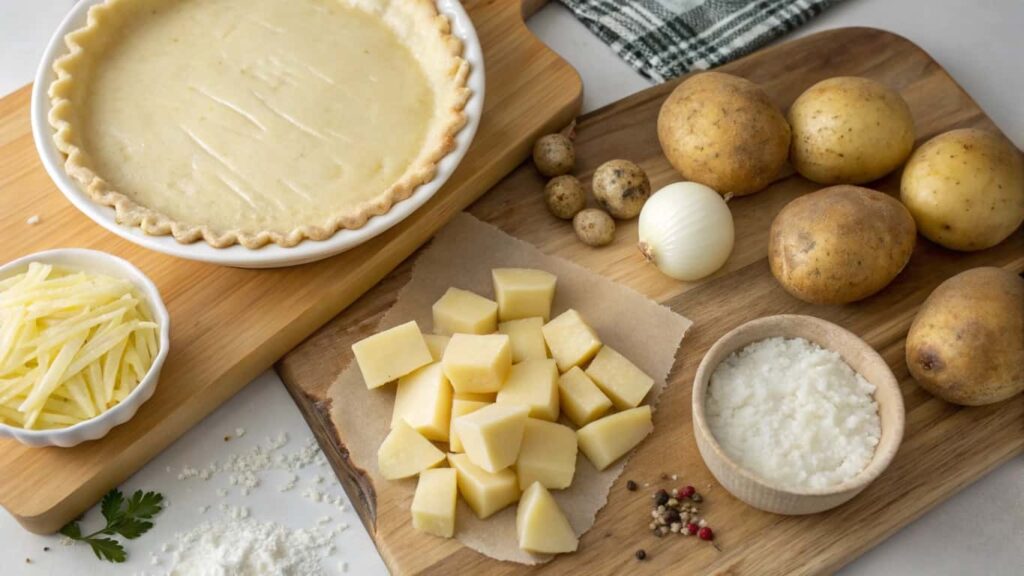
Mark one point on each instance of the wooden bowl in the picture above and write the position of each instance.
(764, 494)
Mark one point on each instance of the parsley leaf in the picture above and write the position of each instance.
(72, 530)
(132, 528)
(110, 507)
(145, 505)
(108, 549)
(126, 518)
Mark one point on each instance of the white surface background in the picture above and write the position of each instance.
(980, 531)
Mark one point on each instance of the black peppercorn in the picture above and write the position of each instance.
(631, 486)
(641, 554)
(696, 497)
(672, 515)
(661, 497)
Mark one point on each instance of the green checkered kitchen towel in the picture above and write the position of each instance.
(665, 38)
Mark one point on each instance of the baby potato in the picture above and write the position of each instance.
(849, 130)
(594, 227)
(564, 196)
(965, 189)
(724, 132)
(621, 187)
(840, 244)
(966, 344)
(554, 155)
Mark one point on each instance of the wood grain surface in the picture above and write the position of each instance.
(945, 447)
(228, 325)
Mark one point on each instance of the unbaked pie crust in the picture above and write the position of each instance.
(257, 121)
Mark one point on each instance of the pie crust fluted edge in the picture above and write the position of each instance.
(453, 94)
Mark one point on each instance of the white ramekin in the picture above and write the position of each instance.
(97, 427)
(272, 255)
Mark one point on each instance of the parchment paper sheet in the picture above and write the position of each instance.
(462, 255)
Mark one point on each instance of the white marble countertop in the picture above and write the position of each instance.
(979, 531)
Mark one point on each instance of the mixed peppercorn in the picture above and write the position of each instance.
(675, 511)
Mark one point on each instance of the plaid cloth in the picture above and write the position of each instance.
(665, 38)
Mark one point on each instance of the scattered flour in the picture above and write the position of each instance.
(235, 544)
(793, 413)
(293, 480)
(243, 467)
(251, 548)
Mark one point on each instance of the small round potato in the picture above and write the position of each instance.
(849, 130)
(965, 189)
(564, 196)
(554, 155)
(724, 132)
(621, 187)
(966, 344)
(594, 227)
(840, 244)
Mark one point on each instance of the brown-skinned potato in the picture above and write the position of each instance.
(966, 344)
(965, 189)
(849, 130)
(724, 132)
(840, 244)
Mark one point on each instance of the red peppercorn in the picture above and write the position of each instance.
(687, 491)
(706, 534)
(692, 528)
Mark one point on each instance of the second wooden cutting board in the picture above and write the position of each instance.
(945, 447)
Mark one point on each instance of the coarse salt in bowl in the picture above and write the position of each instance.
(797, 487)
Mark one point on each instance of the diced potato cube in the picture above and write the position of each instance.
(491, 436)
(488, 397)
(623, 383)
(533, 383)
(462, 311)
(606, 440)
(391, 354)
(436, 343)
(424, 400)
(548, 455)
(523, 292)
(526, 338)
(433, 505)
(485, 492)
(477, 363)
(405, 452)
(459, 408)
(541, 525)
(581, 400)
(571, 341)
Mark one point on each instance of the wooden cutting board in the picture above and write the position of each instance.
(228, 325)
(944, 449)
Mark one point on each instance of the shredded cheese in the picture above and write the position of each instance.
(72, 345)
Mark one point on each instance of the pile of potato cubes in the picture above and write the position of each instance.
(485, 383)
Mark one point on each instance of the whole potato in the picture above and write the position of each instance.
(965, 189)
(554, 155)
(564, 196)
(724, 132)
(621, 188)
(966, 344)
(840, 244)
(594, 227)
(849, 130)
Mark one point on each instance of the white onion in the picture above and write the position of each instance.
(686, 230)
